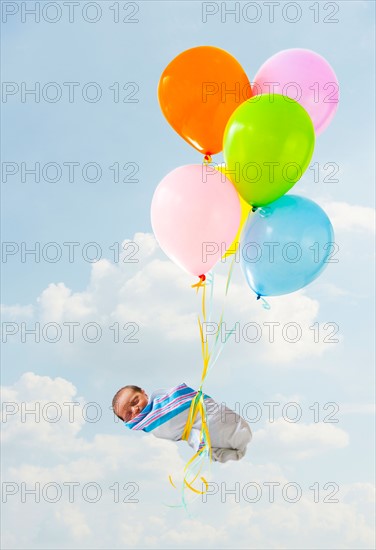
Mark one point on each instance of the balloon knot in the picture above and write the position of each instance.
(258, 297)
(254, 208)
(207, 159)
(200, 283)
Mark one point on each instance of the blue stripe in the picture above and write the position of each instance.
(162, 419)
(154, 409)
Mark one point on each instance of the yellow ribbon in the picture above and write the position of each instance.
(198, 404)
(200, 283)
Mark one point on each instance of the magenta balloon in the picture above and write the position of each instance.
(305, 76)
(194, 210)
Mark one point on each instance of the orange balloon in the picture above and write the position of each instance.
(198, 92)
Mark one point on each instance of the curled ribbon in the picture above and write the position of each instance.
(265, 304)
(193, 468)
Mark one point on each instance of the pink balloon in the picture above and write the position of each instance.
(194, 210)
(305, 76)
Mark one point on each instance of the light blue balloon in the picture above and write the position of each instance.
(286, 245)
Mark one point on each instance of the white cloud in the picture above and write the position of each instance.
(156, 297)
(38, 411)
(331, 290)
(58, 303)
(12, 313)
(358, 408)
(350, 217)
(300, 440)
(124, 466)
(75, 521)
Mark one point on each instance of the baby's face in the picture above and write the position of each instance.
(130, 403)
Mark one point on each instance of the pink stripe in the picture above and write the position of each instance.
(174, 390)
(158, 399)
(170, 405)
(167, 408)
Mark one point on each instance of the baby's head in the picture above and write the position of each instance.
(128, 402)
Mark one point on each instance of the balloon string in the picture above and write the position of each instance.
(210, 280)
(265, 304)
(219, 330)
(193, 468)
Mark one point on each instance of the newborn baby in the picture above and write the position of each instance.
(165, 414)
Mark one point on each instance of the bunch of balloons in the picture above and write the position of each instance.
(201, 213)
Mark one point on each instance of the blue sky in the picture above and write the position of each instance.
(157, 296)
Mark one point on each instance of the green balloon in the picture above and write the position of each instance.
(267, 145)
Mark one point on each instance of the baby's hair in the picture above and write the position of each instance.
(116, 396)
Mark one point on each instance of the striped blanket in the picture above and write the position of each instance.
(162, 408)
